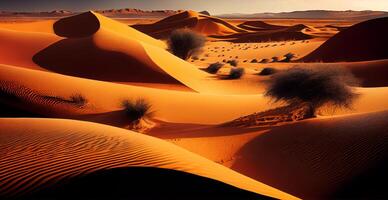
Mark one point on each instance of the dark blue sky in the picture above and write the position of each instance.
(214, 6)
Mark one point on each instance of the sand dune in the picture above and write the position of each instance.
(17, 48)
(258, 25)
(260, 31)
(106, 97)
(201, 23)
(361, 42)
(357, 151)
(203, 108)
(70, 149)
(109, 55)
(353, 166)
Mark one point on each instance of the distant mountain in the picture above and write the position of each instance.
(312, 14)
(53, 13)
(125, 12)
(131, 12)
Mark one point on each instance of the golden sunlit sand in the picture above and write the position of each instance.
(226, 134)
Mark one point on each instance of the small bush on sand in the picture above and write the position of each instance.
(236, 73)
(137, 109)
(314, 87)
(234, 63)
(288, 57)
(254, 61)
(184, 43)
(267, 71)
(214, 67)
(78, 99)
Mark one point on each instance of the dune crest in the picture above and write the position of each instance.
(361, 42)
(68, 149)
(201, 23)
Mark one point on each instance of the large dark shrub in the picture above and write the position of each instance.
(214, 67)
(137, 109)
(236, 73)
(184, 43)
(313, 87)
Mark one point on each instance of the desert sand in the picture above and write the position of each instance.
(205, 131)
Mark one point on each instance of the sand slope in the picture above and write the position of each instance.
(361, 42)
(327, 157)
(113, 52)
(66, 149)
(169, 105)
(321, 157)
(201, 23)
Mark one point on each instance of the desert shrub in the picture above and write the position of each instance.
(288, 57)
(254, 61)
(234, 63)
(275, 59)
(78, 99)
(236, 73)
(267, 71)
(184, 43)
(214, 67)
(137, 109)
(313, 87)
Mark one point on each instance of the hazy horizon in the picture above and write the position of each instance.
(228, 7)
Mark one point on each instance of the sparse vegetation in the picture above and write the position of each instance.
(275, 59)
(314, 87)
(288, 57)
(267, 71)
(78, 99)
(236, 73)
(137, 109)
(184, 43)
(234, 63)
(214, 67)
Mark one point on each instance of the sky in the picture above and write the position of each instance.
(213, 6)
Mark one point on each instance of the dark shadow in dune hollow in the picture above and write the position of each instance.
(80, 57)
(143, 183)
(316, 161)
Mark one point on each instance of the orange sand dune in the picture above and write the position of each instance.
(184, 107)
(269, 34)
(17, 48)
(174, 106)
(46, 153)
(330, 157)
(370, 73)
(333, 157)
(44, 26)
(361, 42)
(259, 25)
(201, 23)
(114, 53)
